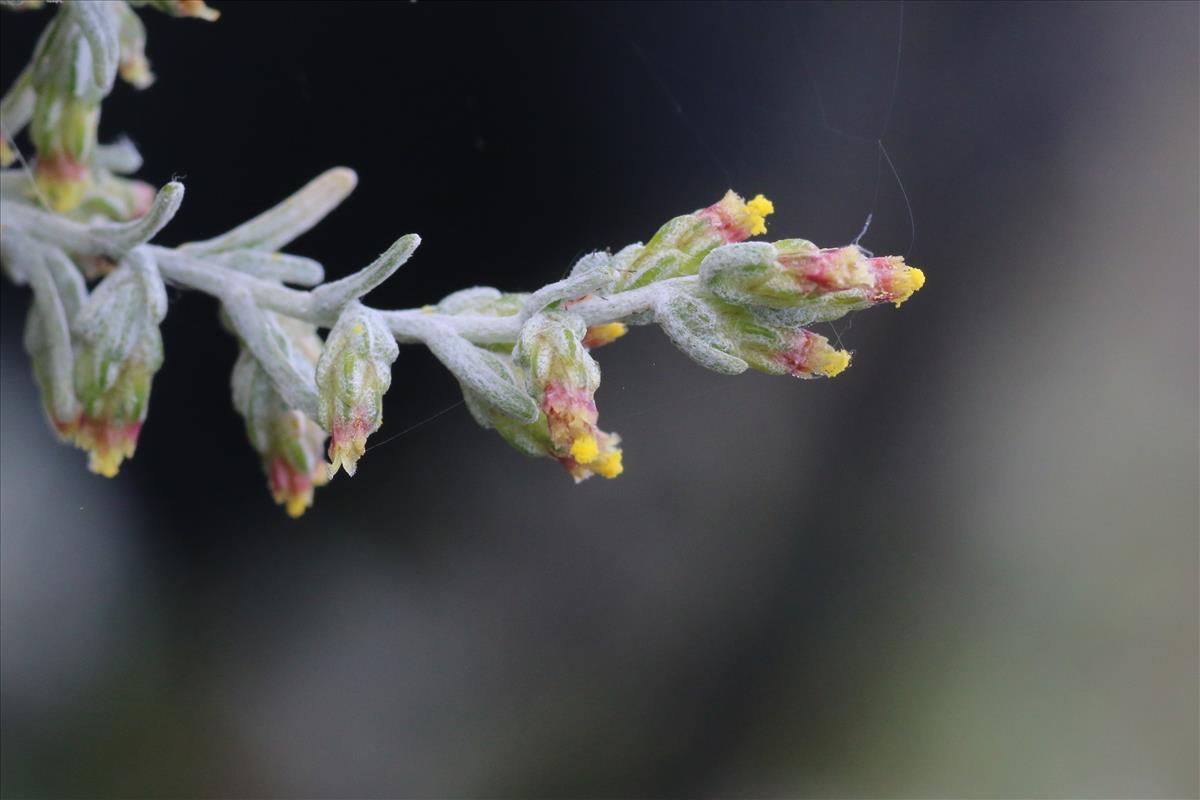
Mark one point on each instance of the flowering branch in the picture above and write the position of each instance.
(523, 360)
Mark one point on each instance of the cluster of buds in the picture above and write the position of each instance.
(730, 304)
(86, 46)
(94, 356)
(563, 377)
(524, 360)
(288, 441)
(755, 301)
(118, 348)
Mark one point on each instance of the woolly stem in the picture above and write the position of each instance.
(190, 267)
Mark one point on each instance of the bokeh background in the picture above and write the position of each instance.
(967, 567)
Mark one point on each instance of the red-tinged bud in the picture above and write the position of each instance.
(292, 460)
(352, 376)
(884, 279)
(288, 442)
(769, 342)
(592, 452)
(796, 274)
(115, 398)
(563, 379)
(895, 280)
(680, 245)
(735, 220)
(118, 349)
(810, 355)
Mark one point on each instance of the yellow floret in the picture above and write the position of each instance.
(906, 283)
(297, 504)
(584, 449)
(106, 462)
(831, 363)
(599, 335)
(759, 209)
(608, 465)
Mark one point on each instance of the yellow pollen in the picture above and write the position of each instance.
(832, 363)
(584, 449)
(357, 329)
(608, 465)
(105, 462)
(598, 335)
(906, 283)
(297, 504)
(759, 208)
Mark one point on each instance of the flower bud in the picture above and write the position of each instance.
(118, 348)
(534, 439)
(728, 338)
(563, 379)
(801, 353)
(776, 347)
(735, 220)
(59, 292)
(288, 442)
(64, 133)
(352, 376)
(795, 273)
(47, 378)
(678, 246)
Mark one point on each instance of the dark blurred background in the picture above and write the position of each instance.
(967, 567)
